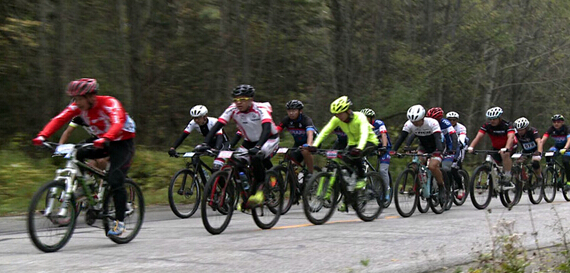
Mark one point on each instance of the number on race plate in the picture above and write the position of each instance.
(225, 154)
(282, 150)
(332, 154)
(189, 154)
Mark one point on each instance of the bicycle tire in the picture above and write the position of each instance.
(52, 190)
(370, 200)
(435, 201)
(406, 193)
(481, 184)
(511, 197)
(423, 201)
(534, 188)
(288, 187)
(267, 214)
(183, 195)
(317, 206)
(550, 184)
(134, 216)
(217, 206)
(465, 182)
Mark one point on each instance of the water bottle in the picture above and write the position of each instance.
(243, 179)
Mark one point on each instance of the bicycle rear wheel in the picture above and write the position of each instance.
(267, 214)
(288, 187)
(512, 195)
(535, 188)
(320, 197)
(406, 193)
(370, 200)
(134, 213)
(462, 189)
(217, 205)
(481, 186)
(50, 223)
(550, 184)
(184, 194)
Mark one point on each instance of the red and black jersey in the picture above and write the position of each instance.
(499, 133)
(528, 140)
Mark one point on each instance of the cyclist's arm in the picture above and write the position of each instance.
(510, 140)
(538, 144)
(567, 142)
(179, 140)
(310, 136)
(365, 129)
(265, 134)
(478, 137)
(65, 136)
(57, 122)
(401, 138)
(235, 139)
(410, 139)
(326, 131)
(438, 141)
(454, 142)
(384, 140)
(213, 131)
(219, 141)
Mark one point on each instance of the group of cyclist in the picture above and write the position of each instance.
(358, 132)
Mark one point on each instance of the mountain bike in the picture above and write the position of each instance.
(185, 189)
(368, 166)
(224, 189)
(325, 190)
(417, 188)
(554, 177)
(293, 174)
(53, 210)
(485, 184)
(525, 173)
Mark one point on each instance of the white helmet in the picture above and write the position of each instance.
(494, 112)
(416, 112)
(198, 111)
(521, 123)
(452, 115)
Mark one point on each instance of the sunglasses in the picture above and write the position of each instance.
(241, 99)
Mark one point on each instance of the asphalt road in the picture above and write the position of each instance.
(421, 243)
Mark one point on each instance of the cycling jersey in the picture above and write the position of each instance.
(527, 140)
(78, 121)
(498, 134)
(461, 132)
(425, 133)
(357, 130)
(379, 128)
(447, 130)
(106, 119)
(249, 123)
(298, 128)
(203, 129)
(341, 139)
(559, 135)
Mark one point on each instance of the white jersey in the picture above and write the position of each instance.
(249, 123)
(461, 131)
(192, 125)
(430, 127)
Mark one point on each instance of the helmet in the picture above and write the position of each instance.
(340, 105)
(82, 87)
(368, 112)
(198, 111)
(416, 112)
(452, 115)
(245, 90)
(558, 117)
(494, 112)
(521, 123)
(295, 104)
(435, 113)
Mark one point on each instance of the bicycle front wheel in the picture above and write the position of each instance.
(288, 187)
(439, 197)
(218, 201)
(535, 187)
(320, 197)
(550, 185)
(267, 214)
(406, 193)
(134, 212)
(511, 195)
(51, 221)
(461, 188)
(370, 200)
(481, 186)
(184, 194)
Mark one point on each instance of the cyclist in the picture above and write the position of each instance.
(303, 131)
(361, 137)
(530, 142)
(341, 139)
(560, 133)
(385, 145)
(203, 123)
(260, 136)
(462, 142)
(99, 163)
(502, 135)
(115, 131)
(431, 141)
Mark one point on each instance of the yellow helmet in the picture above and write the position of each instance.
(340, 105)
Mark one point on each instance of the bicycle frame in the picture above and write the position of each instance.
(554, 162)
(195, 164)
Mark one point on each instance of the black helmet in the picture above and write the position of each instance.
(558, 117)
(244, 90)
(294, 104)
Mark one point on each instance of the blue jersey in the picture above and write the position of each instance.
(447, 130)
(379, 128)
(298, 128)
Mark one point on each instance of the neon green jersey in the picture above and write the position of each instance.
(358, 130)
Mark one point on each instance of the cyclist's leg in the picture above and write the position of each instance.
(308, 157)
(384, 167)
(434, 167)
(120, 155)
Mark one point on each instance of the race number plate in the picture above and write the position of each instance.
(64, 149)
(282, 150)
(225, 154)
(332, 154)
(189, 154)
(549, 154)
(516, 156)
